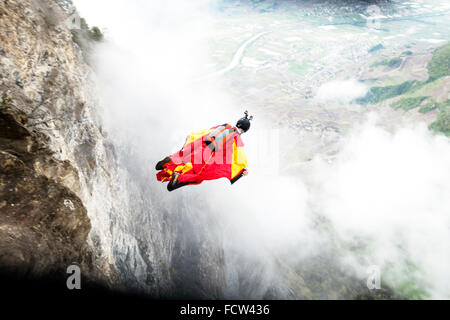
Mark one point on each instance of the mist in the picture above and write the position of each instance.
(387, 191)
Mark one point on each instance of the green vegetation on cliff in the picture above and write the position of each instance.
(85, 37)
(439, 65)
(391, 63)
(433, 105)
(428, 107)
(408, 284)
(378, 94)
(442, 123)
(93, 33)
(408, 103)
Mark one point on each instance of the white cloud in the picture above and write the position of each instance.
(391, 190)
(340, 91)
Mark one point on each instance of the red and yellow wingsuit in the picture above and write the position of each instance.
(208, 154)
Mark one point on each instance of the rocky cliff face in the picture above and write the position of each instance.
(66, 197)
(44, 225)
(47, 140)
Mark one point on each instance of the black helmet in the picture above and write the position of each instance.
(244, 123)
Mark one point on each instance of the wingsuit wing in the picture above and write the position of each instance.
(208, 154)
(239, 162)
